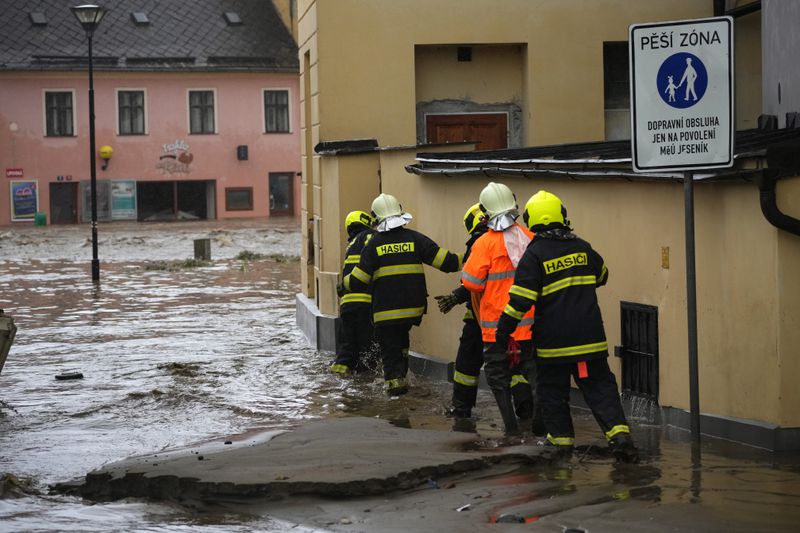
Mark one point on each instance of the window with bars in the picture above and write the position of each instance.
(59, 113)
(131, 112)
(639, 350)
(201, 112)
(276, 111)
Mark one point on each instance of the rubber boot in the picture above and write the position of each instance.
(623, 448)
(506, 406)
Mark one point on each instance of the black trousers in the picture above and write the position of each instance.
(469, 360)
(394, 342)
(521, 380)
(599, 389)
(354, 337)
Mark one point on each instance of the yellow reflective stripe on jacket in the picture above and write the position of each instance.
(354, 297)
(360, 275)
(465, 379)
(513, 313)
(518, 379)
(568, 282)
(603, 273)
(441, 255)
(569, 351)
(523, 292)
(352, 259)
(393, 314)
(469, 315)
(561, 441)
(396, 270)
(616, 430)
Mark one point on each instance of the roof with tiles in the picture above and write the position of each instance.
(180, 35)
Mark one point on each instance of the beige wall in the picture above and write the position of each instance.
(747, 55)
(366, 58)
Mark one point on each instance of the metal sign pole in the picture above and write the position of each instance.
(691, 305)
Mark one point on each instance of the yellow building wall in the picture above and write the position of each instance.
(493, 75)
(366, 58)
(747, 54)
(788, 276)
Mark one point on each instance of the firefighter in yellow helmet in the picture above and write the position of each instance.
(391, 266)
(354, 333)
(559, 274)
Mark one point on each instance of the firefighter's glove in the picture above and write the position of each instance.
(340, 289)
(513, 351)
(446, 302)
(500, 344)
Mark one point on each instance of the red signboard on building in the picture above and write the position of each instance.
(14, 173)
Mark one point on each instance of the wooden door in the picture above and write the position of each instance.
(490, 130)
(281, 193)
(64, 203)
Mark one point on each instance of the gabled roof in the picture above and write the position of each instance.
(181, 35)
(602, 159)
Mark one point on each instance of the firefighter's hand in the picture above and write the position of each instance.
(340, 289)
(500, 344)
(446, 302)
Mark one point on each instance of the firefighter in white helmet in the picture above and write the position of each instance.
(488, 274)
(391, 267)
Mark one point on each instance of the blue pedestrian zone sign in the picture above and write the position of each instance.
(682, 95)
(682, 80)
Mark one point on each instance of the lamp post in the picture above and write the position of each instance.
(90, 15)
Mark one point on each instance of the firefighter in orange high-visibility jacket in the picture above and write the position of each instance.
(559, 274)
(354, 328)
(488, 274)
(391, 266)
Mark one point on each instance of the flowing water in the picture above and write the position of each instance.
(174, 353)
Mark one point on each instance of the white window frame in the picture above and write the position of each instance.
(146, 113)
(74, 113)
(189, 110)
(264, 110)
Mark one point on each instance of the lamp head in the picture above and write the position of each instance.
(89, 15)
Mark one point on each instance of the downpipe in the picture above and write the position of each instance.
(781, 160)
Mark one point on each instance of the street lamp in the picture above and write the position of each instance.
(90, 15)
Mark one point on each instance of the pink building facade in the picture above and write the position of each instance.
(241, 164)
(196, 109)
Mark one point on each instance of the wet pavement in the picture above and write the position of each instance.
(174, 353)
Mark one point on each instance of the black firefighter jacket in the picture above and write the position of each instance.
(392, 262)
(350, 300)
(559, 273)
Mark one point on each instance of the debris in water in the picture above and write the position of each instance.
(464, 507)
(69, 375)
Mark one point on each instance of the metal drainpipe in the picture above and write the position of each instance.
(719, 8)
(769, 205)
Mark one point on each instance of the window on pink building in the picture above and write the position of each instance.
(276, 111)
(131, 112)
(59, 114)
(239, 198)
(201, 112)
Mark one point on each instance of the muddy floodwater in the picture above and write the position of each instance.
(175, 352)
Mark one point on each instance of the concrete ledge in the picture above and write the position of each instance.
(319, 329)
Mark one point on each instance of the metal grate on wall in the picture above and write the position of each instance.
(639, 349)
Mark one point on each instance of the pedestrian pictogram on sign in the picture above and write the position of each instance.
(682, 95)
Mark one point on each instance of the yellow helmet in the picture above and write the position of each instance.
(544, 208)
(473, 218)
(497, 198)
(384, 206)
(357, 217)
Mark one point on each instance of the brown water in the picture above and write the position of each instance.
(174, 355)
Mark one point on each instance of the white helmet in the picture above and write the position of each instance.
(384, 206)
(497, 198)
